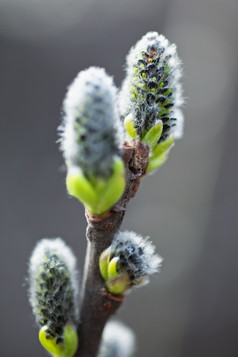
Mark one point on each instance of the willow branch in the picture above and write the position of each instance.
(97, 305)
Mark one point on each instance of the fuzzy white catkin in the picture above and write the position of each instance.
(53, 285)
(56, 245)
(118, 340)
(137, 255)
(150, 56)
(92, 133)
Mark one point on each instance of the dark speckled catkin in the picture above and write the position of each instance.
(152, 89)
(53, 286)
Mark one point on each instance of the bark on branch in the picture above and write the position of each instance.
(97, 305)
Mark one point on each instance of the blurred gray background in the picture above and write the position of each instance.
(189, 207)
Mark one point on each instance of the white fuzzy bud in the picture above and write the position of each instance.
(53, 286)
(152, 90)
(118, 340)
(92, 132)
(136, 255)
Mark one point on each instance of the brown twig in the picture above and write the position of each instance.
(97, 305)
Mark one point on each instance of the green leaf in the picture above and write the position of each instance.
(119, 284)
(153, 135)
(56, 349)
(112, 268)
(163, 146)
(130, 130)
(79, 187)
(113, 188)
(159, 154)
(66, 349)
(155, 162)
(70, 340)
(100, 195)
(103, 263)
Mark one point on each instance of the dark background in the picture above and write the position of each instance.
(189, 207)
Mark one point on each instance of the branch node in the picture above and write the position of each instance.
(118, 297)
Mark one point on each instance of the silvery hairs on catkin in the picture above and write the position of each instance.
(118, 340)
(152, 90)
(53, 281)
(137, 255)
(92, 132)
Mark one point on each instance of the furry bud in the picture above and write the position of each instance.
(91, 132)
(152, 90)
(91, 139)
(53, 290)
(129, 261)
(118, 340)
(151, 96)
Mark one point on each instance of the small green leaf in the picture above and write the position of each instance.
(153, 135)
(113, 188)
(155, 162)
(56, 349)
(163, 146)
(70, 340)
(103, 263)
(159, 154)
(100, 195)
(65, 349)
(130, 130)
(112, 268)
(119, 284)
(79, 187)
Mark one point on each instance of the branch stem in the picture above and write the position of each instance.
(97, 305)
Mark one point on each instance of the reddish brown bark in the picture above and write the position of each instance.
(97, 305)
